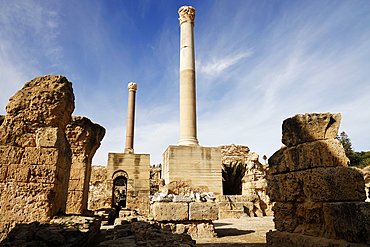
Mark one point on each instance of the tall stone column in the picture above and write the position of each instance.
(132, 87)
(188, 118)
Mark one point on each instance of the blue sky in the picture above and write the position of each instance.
(257, 63)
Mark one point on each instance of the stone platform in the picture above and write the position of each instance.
(201, 166)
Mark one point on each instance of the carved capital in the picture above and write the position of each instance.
(187, 14)
(132, 86)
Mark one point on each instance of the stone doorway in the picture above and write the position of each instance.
(119, 197)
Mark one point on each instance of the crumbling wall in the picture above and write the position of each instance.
(155, 179)
(84, 138)
(34, 153)
(319, 200)
(99, 195)
(254, 182)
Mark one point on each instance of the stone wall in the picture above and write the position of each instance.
(254, 182)
(201, 166)
(34, 153)
(319, 200)
(84, 138)
(99, 196)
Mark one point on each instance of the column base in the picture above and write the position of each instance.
(188, 142)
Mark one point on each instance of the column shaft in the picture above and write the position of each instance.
(130, 118)
(188, 118)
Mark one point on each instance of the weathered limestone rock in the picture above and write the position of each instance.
(310, 127)
(203, 211)
(146, 234)
(84, 138)
(36, 156)
(155, 179)
(336, 220)
(63, 232)
(321, 153)
(99, 196)
(233, 153)
(254, 183)
(319, 201)
(46, 101)
(170, 211)
(2, 118)
(318, 185)
(181, 187)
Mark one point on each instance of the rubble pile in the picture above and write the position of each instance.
(140, 233)
(62, 231)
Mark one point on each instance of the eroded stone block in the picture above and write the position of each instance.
(18, 173)
(310, 127)
(49, 137)
(10, 154)
(321, 153)
(170, 211)
(40, 156)
(318, 184)
(203, 211)
(337, 220)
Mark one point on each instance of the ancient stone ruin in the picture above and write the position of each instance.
(84, 138)
(36, 156)
(319, 201)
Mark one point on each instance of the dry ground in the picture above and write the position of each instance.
(246, 231)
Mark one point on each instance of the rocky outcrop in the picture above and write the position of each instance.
(84, 138)
(2, 118)
(317, 197)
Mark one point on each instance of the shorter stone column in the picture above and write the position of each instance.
(132, 87)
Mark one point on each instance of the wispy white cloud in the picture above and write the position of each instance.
(216, 66)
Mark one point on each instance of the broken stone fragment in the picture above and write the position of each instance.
(310, 127)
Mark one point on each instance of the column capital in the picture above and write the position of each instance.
(187, 14)
(132, 86)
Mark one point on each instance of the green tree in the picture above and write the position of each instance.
(347, 145)
(232, 178)
(264, 158)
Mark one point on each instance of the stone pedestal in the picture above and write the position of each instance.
(137, 167)
(201, 166)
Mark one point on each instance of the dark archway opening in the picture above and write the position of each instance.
(119, 192)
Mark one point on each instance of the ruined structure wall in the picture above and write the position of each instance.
(201, 166)
(254, 183)
(319, 200)
(84, 138)
(99, 196)
(34, 153)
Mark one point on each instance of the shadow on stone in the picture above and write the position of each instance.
(227, 232)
